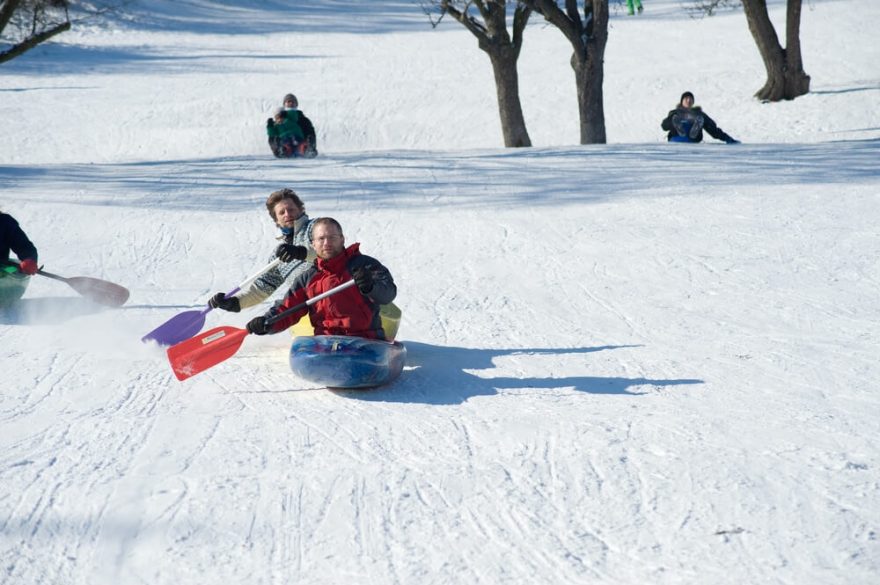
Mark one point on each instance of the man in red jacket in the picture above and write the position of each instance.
(353, 311)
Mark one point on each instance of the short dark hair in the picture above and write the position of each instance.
(326, 221)
(279, 195)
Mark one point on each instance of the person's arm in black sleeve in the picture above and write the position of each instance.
(308, 129)
(715, 132)
(374, 280)
(20, 244)
(666, 124)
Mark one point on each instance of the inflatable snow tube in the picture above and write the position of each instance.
(12, 285)
(338, 361)
(390, 315)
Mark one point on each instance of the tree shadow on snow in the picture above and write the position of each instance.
(437, 374)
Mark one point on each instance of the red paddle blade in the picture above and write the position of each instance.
(204, 351)
(99, 291)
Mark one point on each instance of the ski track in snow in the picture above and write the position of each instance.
(114, 461)
(628, 363)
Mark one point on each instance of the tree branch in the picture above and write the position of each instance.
(6, 12)
(32, 42)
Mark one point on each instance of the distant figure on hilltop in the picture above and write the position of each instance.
(286, 138)
(290, 132)
(632, 10)
(291, 103)
(686, 123)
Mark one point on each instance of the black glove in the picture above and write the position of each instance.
(732, 141)
(363, 276)
(291, 252)
(258, 326)
(219, 301)
(270, 122)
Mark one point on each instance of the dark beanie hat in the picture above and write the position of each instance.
(684, 95)
(290, 97)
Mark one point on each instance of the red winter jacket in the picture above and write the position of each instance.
(348, 312)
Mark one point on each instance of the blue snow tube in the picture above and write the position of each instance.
(339, 361)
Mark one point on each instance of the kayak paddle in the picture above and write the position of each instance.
(94, 289)
(208, 349)
(186, 324)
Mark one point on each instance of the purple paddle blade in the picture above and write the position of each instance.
(178, 328)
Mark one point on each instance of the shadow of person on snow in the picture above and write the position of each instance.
(437, 374)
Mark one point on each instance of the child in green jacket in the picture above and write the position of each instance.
(286, 138)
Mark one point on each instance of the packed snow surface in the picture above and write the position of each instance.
(628, 363)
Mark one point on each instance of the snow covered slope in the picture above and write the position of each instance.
(630, 363)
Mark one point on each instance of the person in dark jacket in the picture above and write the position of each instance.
(13, 238)
(686, 123)
(353, 311)
(310, 148)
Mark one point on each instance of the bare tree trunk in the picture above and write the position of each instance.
(588, 38)
(503, 52)
(6, 12)
(786, 78)
(590, 76)
(797, 82)
(513, 125)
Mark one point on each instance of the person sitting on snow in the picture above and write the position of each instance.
(308, 129)
(289, 213)
(286, 138)
(686, 123)
(353, 311)
(13, 238)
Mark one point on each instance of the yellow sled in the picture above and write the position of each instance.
(390, 315)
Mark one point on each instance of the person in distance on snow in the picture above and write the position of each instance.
(353, 311)
(13, 238)
(686, 123)
(630, 9)
(286, 138)
(295, 251)
(308, 129)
